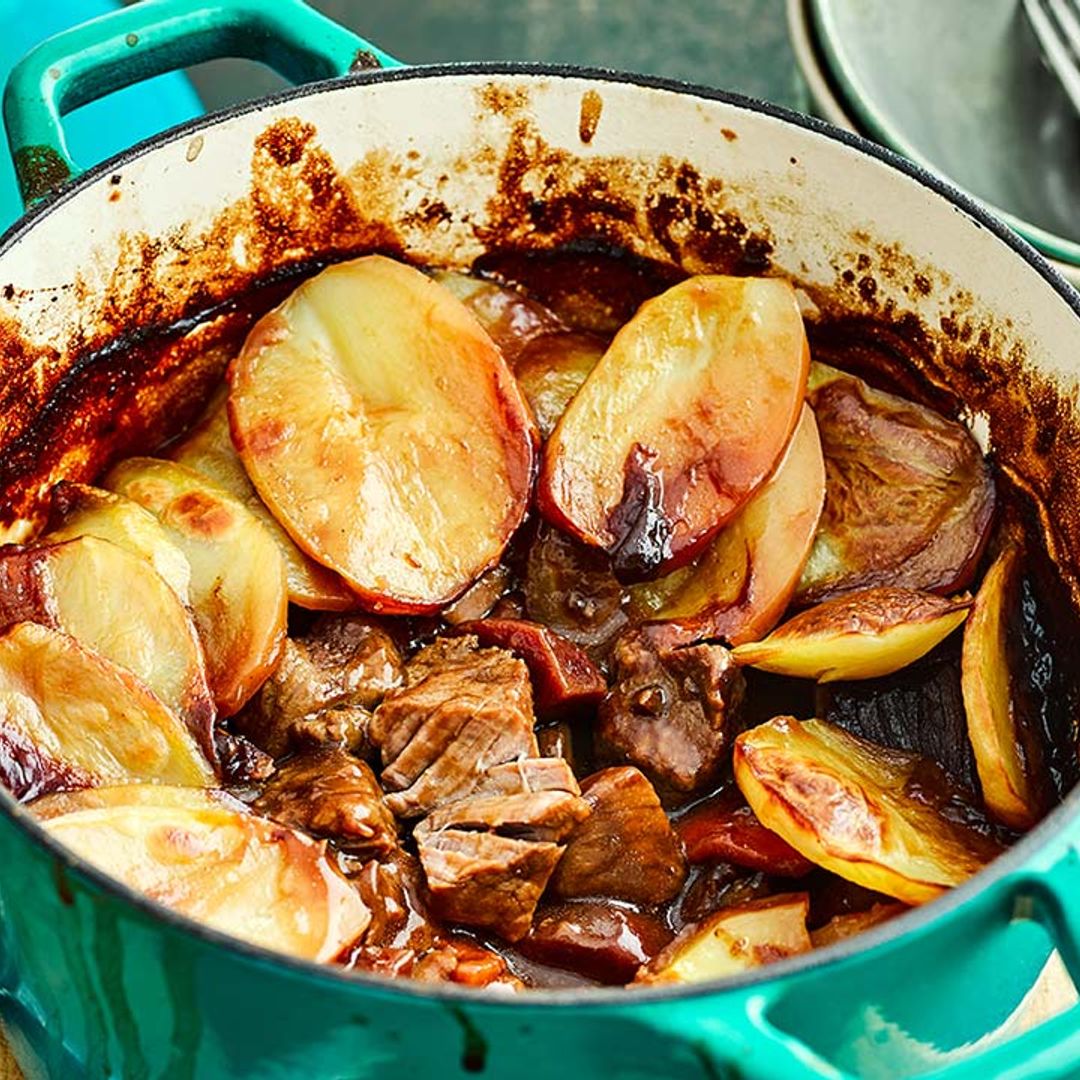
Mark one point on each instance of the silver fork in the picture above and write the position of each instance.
(1056, 24)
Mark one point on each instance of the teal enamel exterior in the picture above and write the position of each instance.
(97, 982)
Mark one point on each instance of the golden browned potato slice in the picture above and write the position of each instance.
(81, 510)
(1008, 754)
(72, 718)
(383, 429)
(857, 809)
(116, 604)
(238, 591)
(851, 923)
(858, 636)
(683, 418)
(733, 939)
(113, 795)
(743, 582)
(908, 497)
(552, 368)
(209, 450)
(241, 874)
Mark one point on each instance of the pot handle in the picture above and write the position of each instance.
(150, 38)
(875, 1014)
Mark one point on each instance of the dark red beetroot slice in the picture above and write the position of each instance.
(563, 676)
(603, 941)
(726, 830)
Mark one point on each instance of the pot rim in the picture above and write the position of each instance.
(1009, 862)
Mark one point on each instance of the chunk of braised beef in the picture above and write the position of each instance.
(473, 878)
(626, 849)
(242, 762)
(393, 890)
(671, 712)
(712, 886)
(463, 710)
(603, 940)
(725, 829)
(570, 588)
(342, 661)
(557, 741)
(564, 679)
(331, 794)
(456, 960)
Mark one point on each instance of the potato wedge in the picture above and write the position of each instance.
(1008, 752)
(551, 369)
(870, 814)
(742, 583)
(844, 926)
(81, 510)
(209, 450)
(70, 718)
(241, 874)
(909, 497)
(684, 417)
(732, 940)
(238, 591)
(383, 429)
(114, 603)
(511, 318)
(857, 636)
(119, 795)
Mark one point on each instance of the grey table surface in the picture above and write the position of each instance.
(737, 45)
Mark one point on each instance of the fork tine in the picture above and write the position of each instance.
(1064, 63)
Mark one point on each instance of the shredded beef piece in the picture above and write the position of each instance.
(626, 849)
(461, 711)
(330, 793)
(670, 712)
(344, 664)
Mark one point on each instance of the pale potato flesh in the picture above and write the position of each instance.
(861, 635)
(82, 510)
(238, 591)
(1006, 773)
(90, 721)
(233, 871)
(683, 418)
(114, 603)
(742, 583)
(209, 450)
(846, 805)
(733, 940)
(384, 430)
(118, 795)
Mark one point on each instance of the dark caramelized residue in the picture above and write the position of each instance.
(639, 525)
(592, 105)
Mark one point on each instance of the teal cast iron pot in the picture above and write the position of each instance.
(443, 165)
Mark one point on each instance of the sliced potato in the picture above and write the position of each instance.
(383, 429)
(238, 591)
(732, 940)
(241, 874)
(114, 603)
(552, 368)
(1008, 755)
(683, 418)
(861, 635)
(70, 718)
(741, 585)
(908, 499)
(851, 923)
(209, 450)
(81, 510)
(118, 795)
(860, 810)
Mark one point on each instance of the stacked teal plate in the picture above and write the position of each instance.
(959, 87)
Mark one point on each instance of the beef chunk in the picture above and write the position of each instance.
(330, 793)
(242, 762)
(626, 849)
(538, 815)
(463, 709)
(341, 663)
(529, 774)
(486, 880)
(670, 711)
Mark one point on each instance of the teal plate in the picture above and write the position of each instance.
(959, 87)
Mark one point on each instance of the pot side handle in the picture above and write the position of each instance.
(150, 38)
(907, 1006)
